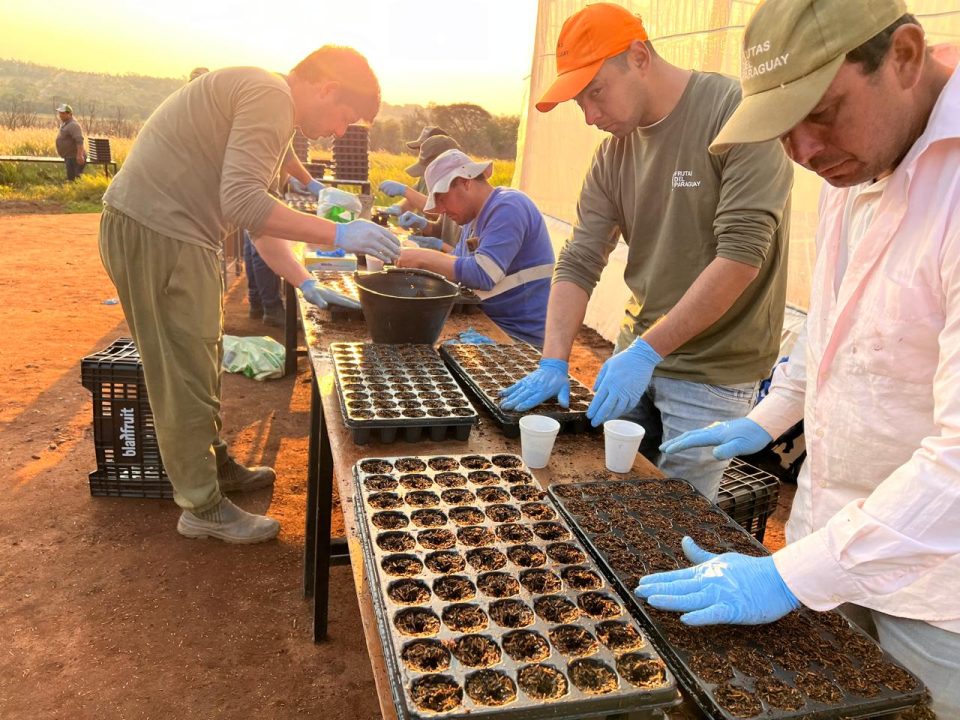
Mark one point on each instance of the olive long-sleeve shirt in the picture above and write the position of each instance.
(204, 160)
(678, 208)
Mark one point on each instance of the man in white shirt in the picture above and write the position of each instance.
(855, 95)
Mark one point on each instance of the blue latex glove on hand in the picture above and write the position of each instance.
(430, 243)
(550, 380)
(732, 438)
(622, 381)
(411, 221)
(728, 588)
(368, 238)
(394, 210)
(393, 188)
(323, 297)
(314, 186)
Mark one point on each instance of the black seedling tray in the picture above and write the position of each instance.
(618, 522)
(420, 511)
(303, 205)
(388, 391)
(342, 282)
(488, 369)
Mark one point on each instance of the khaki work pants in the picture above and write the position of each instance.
(172, 298)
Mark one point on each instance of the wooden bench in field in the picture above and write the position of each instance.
(98, 153)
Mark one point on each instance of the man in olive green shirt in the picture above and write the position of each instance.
(706, 241)
(201, 167)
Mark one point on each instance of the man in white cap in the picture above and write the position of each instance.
(70, 142)
(504, 252)
(855, 95)
(437, 231)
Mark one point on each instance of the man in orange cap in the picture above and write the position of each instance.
(706, 235)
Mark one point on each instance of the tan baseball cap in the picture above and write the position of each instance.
(428, 131)
(431, 147)
(792, 50)
(64, 108)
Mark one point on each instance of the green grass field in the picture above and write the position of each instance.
(46, 185)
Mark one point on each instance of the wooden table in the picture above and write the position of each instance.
(332, 455)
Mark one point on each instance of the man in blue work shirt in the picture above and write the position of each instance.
(504, 253)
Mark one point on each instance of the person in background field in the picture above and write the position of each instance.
(202, 165)
(412, 198)
(70, 142)
(874, 524)
(504, 252)
(441, 233)
(706, 237)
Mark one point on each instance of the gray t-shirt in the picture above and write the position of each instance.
(69, 139)
(204, 160)
(678, 208)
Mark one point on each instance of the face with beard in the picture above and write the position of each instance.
(863, 125)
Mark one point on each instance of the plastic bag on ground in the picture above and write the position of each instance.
(259, 358)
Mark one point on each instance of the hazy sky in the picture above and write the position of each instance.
(422, 50)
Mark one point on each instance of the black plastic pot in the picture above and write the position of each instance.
(402, 305)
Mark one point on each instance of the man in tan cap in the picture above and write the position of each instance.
(706, 238)
(854, 94)
(70, 142)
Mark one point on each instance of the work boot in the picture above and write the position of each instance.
(234, 477)
(225, 521)
(256, 312)
(274, 317)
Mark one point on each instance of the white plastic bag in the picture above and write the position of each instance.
(338, 205)
(259, 358)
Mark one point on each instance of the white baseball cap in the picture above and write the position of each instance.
(447, 167)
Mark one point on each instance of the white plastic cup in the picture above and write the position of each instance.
(621, 439)
(374, 264)
(537, 435)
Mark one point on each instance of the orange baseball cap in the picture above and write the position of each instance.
(589, 37)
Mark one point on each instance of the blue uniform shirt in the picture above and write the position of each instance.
(513, 259)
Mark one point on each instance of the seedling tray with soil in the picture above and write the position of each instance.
(807, 665)
(391, 391)
(487, 604)
(487, 369)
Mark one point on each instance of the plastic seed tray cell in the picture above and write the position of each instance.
(303, 205)
(488, 369)
(486, 603)
(388, 391)
(806, 665)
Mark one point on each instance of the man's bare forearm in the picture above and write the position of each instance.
(714, 292)
(293, 225)
(277, 253)
(565, 311)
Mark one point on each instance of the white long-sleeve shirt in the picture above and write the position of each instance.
(876, 377)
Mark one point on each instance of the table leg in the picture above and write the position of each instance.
(323, 523)
(313, 475)
(290, 330)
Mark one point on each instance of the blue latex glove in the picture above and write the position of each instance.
(732, 438)
(298, 187)
(622, 381)
(323, 297)
(728, 588)
(393, 188)
(472, 337)
(411, 221)
(368, 238)
(314, 186)
(430, 243)
(394, 210)
(550, 380)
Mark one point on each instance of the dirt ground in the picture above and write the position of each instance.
(105, 611)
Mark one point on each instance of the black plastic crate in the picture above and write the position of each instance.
(485, 370)
(128, 456)
(634, 527)
(475, 534)
(391, 391)
(748, 495)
